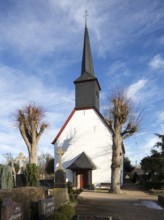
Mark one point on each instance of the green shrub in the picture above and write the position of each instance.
(68, 211)
(73, 193)
(32, 175)
(70, 187)
(57, 216)
(153, 185)
(6, 177)
(161, 199)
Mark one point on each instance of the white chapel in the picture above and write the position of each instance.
(85, 137)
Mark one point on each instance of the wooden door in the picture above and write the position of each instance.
(83, 179)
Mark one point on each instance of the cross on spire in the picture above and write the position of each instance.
(85, 16)
(60, 152)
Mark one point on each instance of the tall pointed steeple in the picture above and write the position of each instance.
(87, 86)
(87, 64)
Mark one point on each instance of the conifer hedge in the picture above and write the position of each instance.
(6, 177)
(32, 175)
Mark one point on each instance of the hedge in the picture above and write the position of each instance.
(68, 211)
(25, 196)
(161, 199)
(153, 185)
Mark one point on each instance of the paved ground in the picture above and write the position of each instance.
(131, 204)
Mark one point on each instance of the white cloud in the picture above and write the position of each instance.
(118, 68)
(134, 91)
(161, 116)
(161, 40)
(42, 28)
(157, 63)
(136, 151)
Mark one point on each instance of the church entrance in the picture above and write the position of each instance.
(83, 178)
(82, 171)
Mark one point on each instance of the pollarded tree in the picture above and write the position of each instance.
(123, 124)
(31, 127)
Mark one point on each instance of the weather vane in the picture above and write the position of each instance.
(86, 15)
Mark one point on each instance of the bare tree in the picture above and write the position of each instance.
(8, 157)
(31, 127)
(123, 124)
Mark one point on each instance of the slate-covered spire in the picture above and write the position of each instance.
(87, 64)
(86, 85)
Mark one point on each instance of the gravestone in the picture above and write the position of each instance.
(60, 179)
(20, 180)
(60, 176)
(11, 210)
(60, 190)
(45, 207)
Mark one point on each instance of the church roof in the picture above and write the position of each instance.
(82, 162)
(87, 64)
(87, 70)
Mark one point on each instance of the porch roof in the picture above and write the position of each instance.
(82, 162)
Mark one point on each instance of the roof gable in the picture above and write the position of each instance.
(71, 115)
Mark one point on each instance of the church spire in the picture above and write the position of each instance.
(87, 64)
(86, 85)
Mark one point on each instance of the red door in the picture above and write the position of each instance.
(83, 178)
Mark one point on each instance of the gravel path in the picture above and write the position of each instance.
(131, 204)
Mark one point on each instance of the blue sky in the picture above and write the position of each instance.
(40, 56)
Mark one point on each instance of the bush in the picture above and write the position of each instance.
(73, 193)
(68, 211)
(57, 216)
(32, 175)
(50, 166)
(25, 196)
(154, 185)
(70, 187)
(161, 199)
(6, 178)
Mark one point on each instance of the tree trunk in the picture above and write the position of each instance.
(115, 183)
(33, 156)
(116, 161)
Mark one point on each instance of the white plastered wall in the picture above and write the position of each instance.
(87, 132)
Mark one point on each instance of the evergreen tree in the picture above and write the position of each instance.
(32, 175)
(160, 144)
(50, 166)
(127, 165)
(6, 177)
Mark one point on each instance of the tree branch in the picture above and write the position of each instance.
(130, 129)
(110, 124)
(24, 135)
(42, 128)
